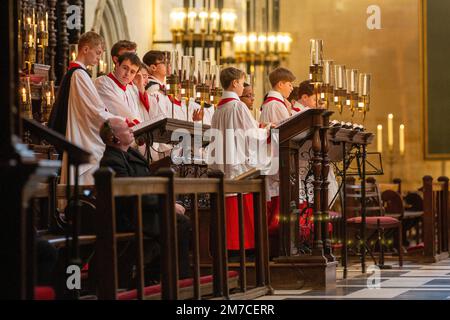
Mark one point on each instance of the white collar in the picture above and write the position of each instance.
(153, 79)
(230, 94)
(299, 105)
(80, 64)
(275, 94)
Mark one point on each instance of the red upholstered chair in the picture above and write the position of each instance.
(376, 221)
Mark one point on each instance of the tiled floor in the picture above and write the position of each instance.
(411, 282)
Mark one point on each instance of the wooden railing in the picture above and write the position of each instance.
(167, 188)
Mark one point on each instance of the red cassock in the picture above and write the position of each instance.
(232, 114)
(233, 222)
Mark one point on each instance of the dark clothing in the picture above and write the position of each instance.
(133, 164)
(125, 164)
(58, 116)
(46, 257)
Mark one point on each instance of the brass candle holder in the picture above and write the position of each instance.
(48, 100)
(327, 89)
(216, 93)
(25, 98)
(340, 88)
(352, 90)
(316, 66)
(364, 93)
(187, 81)
(216, 90)
(173, 80)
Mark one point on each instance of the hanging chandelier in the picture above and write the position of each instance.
(262, 47)
(191, 23)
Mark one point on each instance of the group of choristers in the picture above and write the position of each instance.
(135, 92)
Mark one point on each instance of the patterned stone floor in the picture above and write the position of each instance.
(411, 282)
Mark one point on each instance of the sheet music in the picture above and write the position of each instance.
(290, 118)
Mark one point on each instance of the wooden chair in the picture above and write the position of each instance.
(375, 219)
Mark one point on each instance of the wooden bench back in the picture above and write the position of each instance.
(167, 187)
(436, 216)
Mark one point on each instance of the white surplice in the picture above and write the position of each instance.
(273, 112)
(208, 112)
(156, 86)
(154, 112)
(223, 153)
(118, 98)
(86, 114)
(298, 107)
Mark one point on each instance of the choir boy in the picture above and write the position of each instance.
(231, 116)
(79, 111)
(275, 109)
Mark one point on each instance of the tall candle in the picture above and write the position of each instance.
(49, 98)
(402, 139)
(380, 138)
(24, 95)
(391, 132)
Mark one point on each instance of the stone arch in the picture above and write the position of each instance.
(111, 22)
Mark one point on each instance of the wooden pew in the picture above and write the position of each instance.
(167, 187)
(436, 219)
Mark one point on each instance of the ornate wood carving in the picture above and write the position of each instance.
(78, 32)
(39, 8)
(325, 184)
(63, 40)
(317, 171)
(52, 37)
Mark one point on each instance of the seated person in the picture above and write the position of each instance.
(128, 162)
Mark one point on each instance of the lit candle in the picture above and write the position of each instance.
(192, 16)
(272, 40)
(391, 132)
(42, 26)
(46, 21)
(203, 16)
(380, 138)
(402, 139)
(30, 41)
(24, 95)
(262, 43)
(214, 21)
(101, 66)
(74, 57)
(49, 98)
(252, 39)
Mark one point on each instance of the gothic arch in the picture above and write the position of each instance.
(111, 22)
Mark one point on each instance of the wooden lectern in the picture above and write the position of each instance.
(319, 267)
(170, 131)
